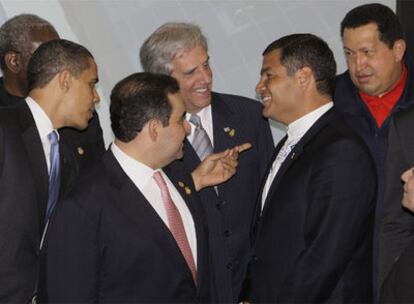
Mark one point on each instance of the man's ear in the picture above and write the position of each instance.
(13, 62)
(153, 128)
(304, 77)
(65, 80)
(399, 49)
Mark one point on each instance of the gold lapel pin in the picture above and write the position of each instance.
(81, 151)
(187, 190)
(181, 184)
(230, 131)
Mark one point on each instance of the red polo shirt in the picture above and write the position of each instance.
(380, 107)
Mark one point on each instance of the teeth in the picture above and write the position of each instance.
(201, 90)
(265, 98)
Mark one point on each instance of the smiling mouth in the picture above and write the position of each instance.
(266, 100)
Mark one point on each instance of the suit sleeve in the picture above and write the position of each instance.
(339, 218)
(397, 223)
(73, 254)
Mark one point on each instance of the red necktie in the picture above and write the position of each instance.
(175, 223)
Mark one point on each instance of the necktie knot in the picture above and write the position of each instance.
(196, 120)
(53, 138)
(201, 141)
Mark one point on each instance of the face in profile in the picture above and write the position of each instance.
(278, 90)
(374, 67)
(173, 135)
(191, 69)
(82, 97)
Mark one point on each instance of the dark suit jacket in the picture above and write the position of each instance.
(23, 199)
(107, 243)
(398, 285)
(397, 223)
(87, 146)
(229, 214)
(314, 235)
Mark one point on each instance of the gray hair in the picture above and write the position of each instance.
(15, 34)
(162, 46)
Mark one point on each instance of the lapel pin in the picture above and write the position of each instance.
(187, 190)
(81, 151)
(230, 131)
(181, 184)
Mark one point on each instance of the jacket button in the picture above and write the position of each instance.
(254, 258)
(218, 206)
(229, 266)
(227, 233)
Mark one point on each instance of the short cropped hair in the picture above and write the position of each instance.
(53, 57)
(16, 34)
(139, 98)
(386, 20)
(306, 50)
(162, 46)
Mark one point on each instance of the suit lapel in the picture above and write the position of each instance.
(225, 136)
(296, 153)
(139, 211)
(38, 166)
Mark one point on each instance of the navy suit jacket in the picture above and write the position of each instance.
(23, 199)
(314, 236)
(236, 120)
(108, 244)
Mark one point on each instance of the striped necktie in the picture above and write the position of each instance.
(175, 224)
(201, 142)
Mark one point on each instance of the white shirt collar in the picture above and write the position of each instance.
(139, 173)
(299, 127)
(42, 121)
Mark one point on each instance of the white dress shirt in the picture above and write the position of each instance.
(295, 132)
(142, 176)
(206, 118)
(44, 127)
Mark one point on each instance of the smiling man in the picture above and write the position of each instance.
(219, 121)
(35, 169)
(375, 87)
(313, 230)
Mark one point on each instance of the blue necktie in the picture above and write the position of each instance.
(54, 174)
(201, 142)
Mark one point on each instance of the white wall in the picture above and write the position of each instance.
(237, 32)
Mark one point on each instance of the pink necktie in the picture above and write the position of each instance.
(175, 224)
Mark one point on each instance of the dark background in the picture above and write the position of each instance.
(405, 11)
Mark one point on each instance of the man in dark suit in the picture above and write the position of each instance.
(399, 207)
(375, 87)
(34, 167)
(20, 36)
(120, 236)
(180, 50)
(314, 219)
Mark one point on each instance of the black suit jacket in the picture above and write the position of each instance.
(236, 120)
(23, 199)
(397, 222)
(314, 235)
(108, 244)
(87, 146)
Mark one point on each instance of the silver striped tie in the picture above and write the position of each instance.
(201, 142)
